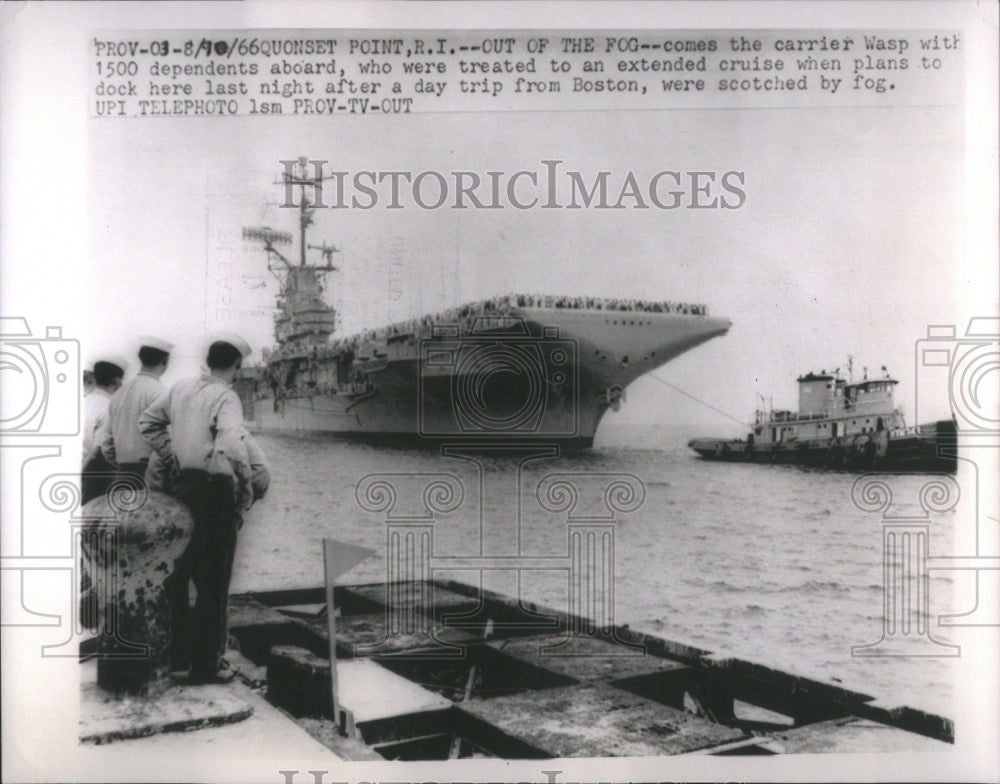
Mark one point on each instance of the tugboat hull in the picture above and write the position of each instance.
(928, 448)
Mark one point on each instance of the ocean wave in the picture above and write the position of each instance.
(716, 585)
(817, 586)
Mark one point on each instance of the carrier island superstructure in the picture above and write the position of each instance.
(514, 368)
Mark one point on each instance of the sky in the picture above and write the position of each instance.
(847, 244)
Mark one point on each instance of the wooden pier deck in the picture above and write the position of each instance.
(487, 676)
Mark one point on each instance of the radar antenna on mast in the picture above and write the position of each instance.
(303, 316)
(270, 238)
(297, 175)
(327, 251)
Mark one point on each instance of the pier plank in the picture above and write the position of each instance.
(267, 729)
(584, 658)
(805, 699)
(909, 719)
(428, 598)
(372, 693)
(105, 718)
(853, 735)
(257, 627)
(587, 720)
(386, 707)
(369, 635)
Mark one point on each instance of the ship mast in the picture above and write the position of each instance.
(303, 316)
(298, 176)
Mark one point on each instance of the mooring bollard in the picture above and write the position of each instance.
(131, 542)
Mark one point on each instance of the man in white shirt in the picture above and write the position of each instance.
(205, 449)
(97, 472)
(88, 379)
(120, 441)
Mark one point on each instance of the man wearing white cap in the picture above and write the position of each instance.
(108, 374)
(121, 441)
(206, 450)
(88, 379)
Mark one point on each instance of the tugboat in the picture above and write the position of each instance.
(513, 368)
(841, 424)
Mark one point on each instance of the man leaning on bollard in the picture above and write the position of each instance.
(205, 455)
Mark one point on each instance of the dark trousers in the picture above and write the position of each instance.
(95, 478)
(201, 636)
(99, 475)
(126, 470)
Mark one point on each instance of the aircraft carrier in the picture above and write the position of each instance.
(516, 368)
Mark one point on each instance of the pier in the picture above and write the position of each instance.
(480, 674)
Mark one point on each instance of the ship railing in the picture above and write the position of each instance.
(784, 417)
(779, 417)
(606, 303)
(465, 315)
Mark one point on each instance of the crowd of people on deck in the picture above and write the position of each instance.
(463, 316)
(606, 303)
